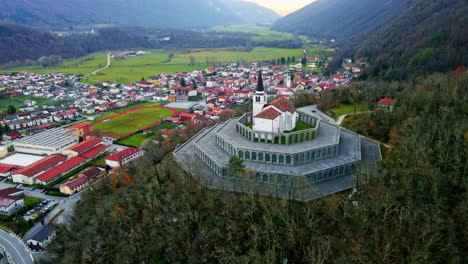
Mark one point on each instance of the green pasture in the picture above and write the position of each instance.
(131, 122)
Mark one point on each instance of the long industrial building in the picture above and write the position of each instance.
(49, 142)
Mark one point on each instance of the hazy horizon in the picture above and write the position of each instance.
(283, 7)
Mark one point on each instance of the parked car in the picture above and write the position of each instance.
(32, 189)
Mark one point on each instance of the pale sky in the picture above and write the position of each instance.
(283, 7)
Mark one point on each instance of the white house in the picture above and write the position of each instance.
(123, 157)
(11, 200)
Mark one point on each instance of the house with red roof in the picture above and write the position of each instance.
(74, 186)
(386, 104)
(11, 200)
(187, 118)
(123, 157)
(83, 180)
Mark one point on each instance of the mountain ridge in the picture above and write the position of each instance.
(341, 19)
(179, 14)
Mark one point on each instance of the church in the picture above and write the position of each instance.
(277, 116)
(281, 159)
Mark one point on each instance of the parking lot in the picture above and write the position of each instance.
(40, 209)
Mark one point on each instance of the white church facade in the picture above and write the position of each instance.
(276, 117)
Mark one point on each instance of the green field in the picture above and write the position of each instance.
(138, 139)
(259, 32)
(131, 122)
(18, 102)
(133, 69)
(345, 109)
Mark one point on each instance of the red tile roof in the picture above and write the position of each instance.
(91, 172)
(284, 105)
(41, 165)
(85, 145)
(94, 151)
(5, 168)
(9, 191)
(387, 101)
(269, 113)
(121, 155)
(77, 182)
(7, 198)
(60, 169)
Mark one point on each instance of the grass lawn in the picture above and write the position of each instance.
(123, 109)
(300, 126)
(19, 100)
(135, 140)
(131, 122)
(346, 109)
(138, 139)
(31, 201)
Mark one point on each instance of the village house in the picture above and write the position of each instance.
(11, 200)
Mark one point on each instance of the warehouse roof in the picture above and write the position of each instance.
(54, 137)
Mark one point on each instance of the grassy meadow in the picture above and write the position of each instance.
(131, 122)
(134, 68)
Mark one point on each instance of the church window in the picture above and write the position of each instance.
(281, 159)
(258, 99)
(313, 155)
(288, 159)
(260, 156)
(265, 178)
(254, 155)
(247, 155)
(241, 154)
(274, 158)
(302, 157)
(267, 157)
(329, 151)
(258, 177)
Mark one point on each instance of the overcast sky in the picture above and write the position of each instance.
(283, 7)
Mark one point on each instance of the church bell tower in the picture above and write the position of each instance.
(259, 99)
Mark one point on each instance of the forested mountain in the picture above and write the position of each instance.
(430, 36)
(340, 19)
(177, 13)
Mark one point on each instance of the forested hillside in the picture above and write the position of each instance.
(430, 36)
(414, 210)
(340, 19)
(18, 43)
(180, 13)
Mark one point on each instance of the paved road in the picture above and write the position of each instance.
(107, 66)
(13, 245)
(341, 118)
(312, 109)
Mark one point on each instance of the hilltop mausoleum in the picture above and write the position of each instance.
(289, 153)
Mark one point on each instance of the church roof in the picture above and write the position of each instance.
(260, 87)
(284, 105)
(269, 113)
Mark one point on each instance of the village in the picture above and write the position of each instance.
(50, 152)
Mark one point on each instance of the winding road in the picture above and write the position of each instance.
(103, 68)
(16, 248)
